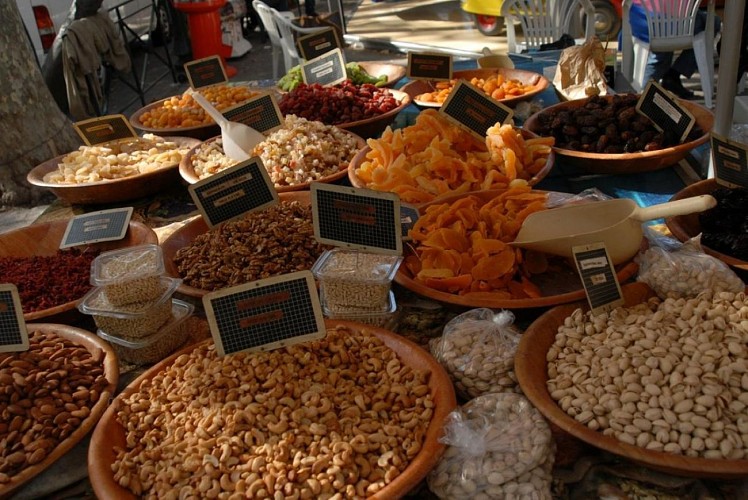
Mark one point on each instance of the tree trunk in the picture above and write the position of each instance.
(33, 127)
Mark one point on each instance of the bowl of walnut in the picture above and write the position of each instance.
(606, 135)
(115, 171)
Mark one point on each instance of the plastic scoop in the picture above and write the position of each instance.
(491, 60)
(237, 138)
(617, 223)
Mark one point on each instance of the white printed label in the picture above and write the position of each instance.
(667, 108)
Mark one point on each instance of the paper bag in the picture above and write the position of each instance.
(580, 71)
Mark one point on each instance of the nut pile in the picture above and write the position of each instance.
(301, 151)
(117, 160)
(477, 350)
(685, 272)
(275, 241)
(499, 447)
(46, 392)
(339, 416)
(666, 375)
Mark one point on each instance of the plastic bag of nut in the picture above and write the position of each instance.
(682, 270)
(477, 349)
(498, 446)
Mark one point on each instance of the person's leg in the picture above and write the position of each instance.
(685, 63)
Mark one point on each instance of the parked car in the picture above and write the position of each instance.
(488, 20)
(44, 18)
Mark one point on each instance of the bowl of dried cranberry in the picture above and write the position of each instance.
(50, 281)
(365, 110)
(606, 135)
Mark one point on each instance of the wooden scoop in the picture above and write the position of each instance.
(617, 223)
(238, 139)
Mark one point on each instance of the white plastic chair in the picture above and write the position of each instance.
(671, 27)
(544, 21)
(266, 17)
(289, 32)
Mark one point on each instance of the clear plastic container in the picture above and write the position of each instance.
(130, 274)
(157, 346)
(349, 278)
(131, 321)
(387, 318)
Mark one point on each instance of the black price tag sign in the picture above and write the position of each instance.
(93, 227)
(105, 129)
(246, 187)
(425, 66)
(266, 314)
(408, 218)
(205, 72)
(663, 109)
(474, 110)
(327, 69)
(261, 113)
(730, 162)
(13, 334)
(315, 44)
(598, 277)
(360, 219)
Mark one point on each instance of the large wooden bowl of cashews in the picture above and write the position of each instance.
(532, 368)
(387, 371)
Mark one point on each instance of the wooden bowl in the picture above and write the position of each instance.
(538, 82)
(44, 240)
(685, 227)
(186, 234)
(96, 346)
(187, 169)
(110, 434)
(201, 132)
(627, 163)
(361, 157)
(374, 126)
(109, 191)
(394, 72)
(530, 365)
(558, 287)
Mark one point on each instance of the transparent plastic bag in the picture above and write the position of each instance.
(498, 446)
(477, 349)
(682, 270)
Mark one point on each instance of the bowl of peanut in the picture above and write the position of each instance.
(113, 172)
(225, 439)
(181, 115)
(660, 382)
(506, 85)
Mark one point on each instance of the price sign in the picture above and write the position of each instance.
(666, 113)
(730, 162)
(475, 111)
(408, 218)
(265, 314)
(205, 72)
(105, 129)
(360, 219)
(425, 66)
(318, 43)
(598, 277)
(13, 334)
(261, 113)
(327, 69)
(246, 187)
(93, 227)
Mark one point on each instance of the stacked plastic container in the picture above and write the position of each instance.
(357, 286)
(132, 304)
